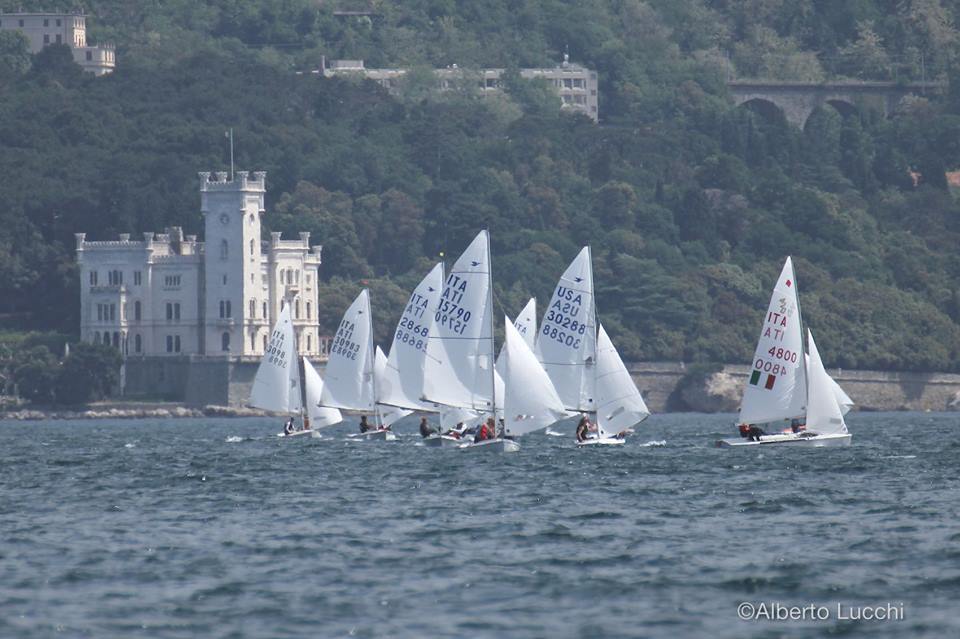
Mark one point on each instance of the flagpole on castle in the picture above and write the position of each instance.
(229, 134)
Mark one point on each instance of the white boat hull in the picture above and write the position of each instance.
(442, 441)
(381, 435)
(815, 441)
(603, 441)
(493, 446)
(296, 433)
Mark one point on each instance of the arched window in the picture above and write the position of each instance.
(309, 344)
(296, 308)
(136, 310)
(137, 343)
(308, 310)
(264, 342)
(116, 339)
(251, 247)
(253, 341)
(253, 309)
(224, 250)
(264, 310)
(96, 337)
(225, 342)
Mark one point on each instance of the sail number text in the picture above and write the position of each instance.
(561, 323)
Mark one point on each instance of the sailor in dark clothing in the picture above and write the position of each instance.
(364, 426)
(425, 430)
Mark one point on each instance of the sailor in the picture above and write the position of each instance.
(744, 430)
(486, 431)
(289, 428)
(797, 425)
(583, 427)
(755, 432)
(425, 430)
(364, 426)
(456, 432)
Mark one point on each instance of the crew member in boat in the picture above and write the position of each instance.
(425, 430)
(583, 429)
(364, 426)
(751, 432)
(288, 427)
(456, 432)
(486, 431)
(797, 425)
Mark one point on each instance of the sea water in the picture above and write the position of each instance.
(218, 528)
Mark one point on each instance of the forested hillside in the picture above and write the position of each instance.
(690, 204)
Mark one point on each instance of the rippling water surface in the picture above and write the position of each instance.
(217, 528)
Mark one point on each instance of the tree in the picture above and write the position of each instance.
(14, 54)
(90, 372)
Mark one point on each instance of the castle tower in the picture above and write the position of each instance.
(234, 292)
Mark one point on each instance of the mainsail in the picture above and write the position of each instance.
(276, 386)
(386, 414)
(566, 340)
(402, 381)
(526, 323)
(349, 382)
(776, 388)
(458, 369)
(530, 400)
(313, 388)
(619, 403)
(824, 416)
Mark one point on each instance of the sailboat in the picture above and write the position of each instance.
(619, 403)
(351, 381)
(277, 387)
(782, 386)
(459, 369)
(581, 360)
(530, 401)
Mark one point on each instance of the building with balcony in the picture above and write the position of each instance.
(576, 86)
(43, 29)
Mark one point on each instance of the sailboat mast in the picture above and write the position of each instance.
(372, 361)
(493, 370)
(802, 357)
(592, 315)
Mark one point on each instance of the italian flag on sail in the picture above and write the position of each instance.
(755, 380)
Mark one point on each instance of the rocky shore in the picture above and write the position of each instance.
(125, 411)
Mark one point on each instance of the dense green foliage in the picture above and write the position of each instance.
(690, 205)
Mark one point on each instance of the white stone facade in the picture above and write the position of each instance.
(44, 29)
(171, 295)
(576, 85)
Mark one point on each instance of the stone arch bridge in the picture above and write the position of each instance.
(798, 100)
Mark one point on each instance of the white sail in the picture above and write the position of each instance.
(566, 340)
(349, 382)
(619, 403)
(526, 323)
(842, 398)
(313, 387)
(530, 400)
(459, 361)
(776, 388)
(823, 411)
(402, 381)
(386, 414)
(276, 386)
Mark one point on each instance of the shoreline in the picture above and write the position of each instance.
(129, 410)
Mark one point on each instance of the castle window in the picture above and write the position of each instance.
(308, 310)
(224, 279)
(176, 343)
(59, 39)
(137, 343)
(264, 310)
(169, 311)
(96, 337)
(309, 346)
(224, 250)
(89, 55)
(296, 309)
(253, 309)
(116, 339)
(46, 39)
(176, 311)
(251, 247)
(137, 278)
(46, 22)
(264, 343)
(21, 23)
(136, 310)
(225, 342)
(99, 312)
(58, 22)
(93, 278)
(113, 312)
(169, 343)
(253, 341)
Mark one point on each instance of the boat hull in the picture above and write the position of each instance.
(603, 441)
(442, 441)
(817, 441)
(381, 435)
(493, 446)
(296, 433)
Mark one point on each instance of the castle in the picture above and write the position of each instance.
(43, 29)
(179, 309)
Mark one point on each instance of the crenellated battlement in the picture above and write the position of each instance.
(242, 181)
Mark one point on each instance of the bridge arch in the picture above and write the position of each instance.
(767, 109)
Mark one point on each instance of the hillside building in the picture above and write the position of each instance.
(43, 29)
(576, 85)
